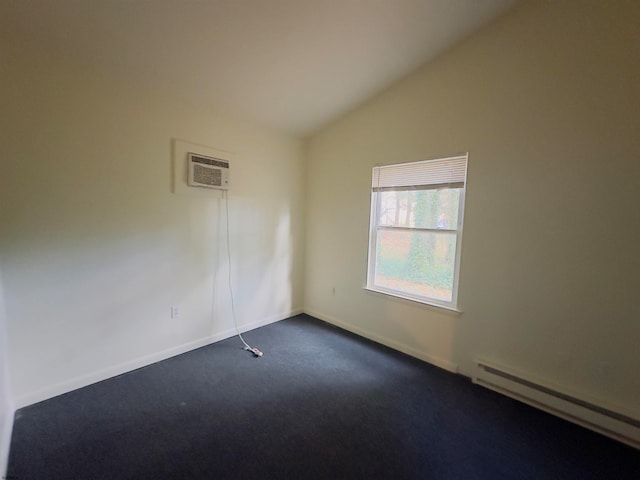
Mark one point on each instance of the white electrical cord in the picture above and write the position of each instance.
(253, 350)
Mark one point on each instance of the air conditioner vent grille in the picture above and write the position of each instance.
(207, 172)
(209, 161)
(207, 176)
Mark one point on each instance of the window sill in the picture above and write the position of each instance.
(388, 293)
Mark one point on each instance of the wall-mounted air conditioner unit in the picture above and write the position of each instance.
(208, 172)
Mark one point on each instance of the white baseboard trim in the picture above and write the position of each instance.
(414, 352)
(5, 439)
(130, 365)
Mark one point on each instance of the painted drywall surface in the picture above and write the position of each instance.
(96, 248)
(547, 102)
(6, 398)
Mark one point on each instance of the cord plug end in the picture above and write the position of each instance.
(254, 350)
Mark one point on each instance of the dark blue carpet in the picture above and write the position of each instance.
(320, 404)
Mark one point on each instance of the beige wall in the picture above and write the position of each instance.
(547, 103)
(95, 247)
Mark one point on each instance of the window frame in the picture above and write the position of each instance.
(374, 228)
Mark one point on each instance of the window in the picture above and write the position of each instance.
(416, 229)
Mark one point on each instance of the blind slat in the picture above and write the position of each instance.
(436, 186)
(424, 174)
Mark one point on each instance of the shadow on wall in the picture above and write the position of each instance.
(545, 280)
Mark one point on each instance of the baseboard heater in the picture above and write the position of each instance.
(621, 427)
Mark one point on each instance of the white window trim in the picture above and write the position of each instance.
(373, 229)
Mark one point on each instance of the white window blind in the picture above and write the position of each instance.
(428, 174)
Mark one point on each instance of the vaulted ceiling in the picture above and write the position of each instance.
(292, 65)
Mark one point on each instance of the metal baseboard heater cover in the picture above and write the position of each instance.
(622, 427)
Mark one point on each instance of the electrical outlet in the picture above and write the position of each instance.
(175, 312)
(333, 291)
